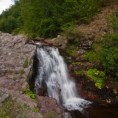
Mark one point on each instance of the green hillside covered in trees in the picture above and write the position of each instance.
(47, 18)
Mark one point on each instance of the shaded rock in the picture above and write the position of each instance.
(86, 44)
(3, 97)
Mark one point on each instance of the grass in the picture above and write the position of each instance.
(72, 51)
(26, 63)
(49, 115)
(80, 72)
(113, 20)
(12, 109)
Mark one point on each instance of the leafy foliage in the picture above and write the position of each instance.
(10, 20)
(97, 76)
(48, 17)
(105, 54)
(109, 55)
(113, 20)
(29, 93)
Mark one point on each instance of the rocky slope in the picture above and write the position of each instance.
(16, 59)
(88, 34)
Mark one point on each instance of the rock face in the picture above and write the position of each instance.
(49, 107)
(16, 62)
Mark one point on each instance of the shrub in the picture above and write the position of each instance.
(72, 50)
(29, 93)
(109, 55)
(113, 20)
(46, 18)
(97, 76)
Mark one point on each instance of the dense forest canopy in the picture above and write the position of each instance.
(47, 18)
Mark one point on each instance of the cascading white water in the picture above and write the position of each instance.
(53, 72)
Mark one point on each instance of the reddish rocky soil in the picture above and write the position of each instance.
(99, 25)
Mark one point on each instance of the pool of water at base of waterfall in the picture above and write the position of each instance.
(97, 111)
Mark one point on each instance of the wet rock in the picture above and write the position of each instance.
(49, 106)
(59, 41)
(42, 91)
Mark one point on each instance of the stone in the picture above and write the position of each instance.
(13, 75)
(3, 97)
(81, 51)
(49, 105)
(13, 53)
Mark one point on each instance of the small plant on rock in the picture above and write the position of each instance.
(97, 76)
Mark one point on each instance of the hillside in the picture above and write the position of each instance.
(87, 38)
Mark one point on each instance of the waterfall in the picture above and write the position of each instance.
(53, 73)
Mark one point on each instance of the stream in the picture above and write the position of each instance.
(53, 74)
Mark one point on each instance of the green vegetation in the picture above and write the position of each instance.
(80, 72)
(49, 115)
(113, 20)
(92, 56)
(29, 93)
(47, 18)
(109, 55)
(104, 52)
(72, 50)
(21, 71)
(26, 63)
(75, 63)
(10, 20)
(11, 109)
(97, 76)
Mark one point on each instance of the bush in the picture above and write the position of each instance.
(10, 20)
(47, 18)
(109, 55)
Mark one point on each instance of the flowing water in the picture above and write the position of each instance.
(53, 73)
